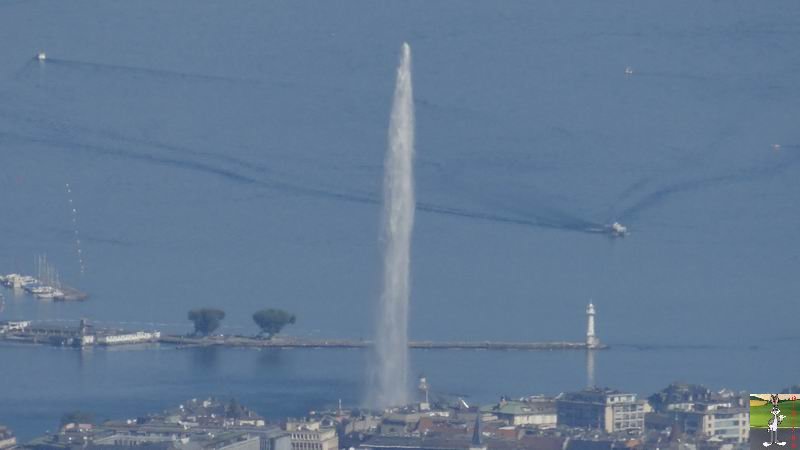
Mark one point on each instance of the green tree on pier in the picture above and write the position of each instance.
(234, 410)
(206, 320)
(271, 321)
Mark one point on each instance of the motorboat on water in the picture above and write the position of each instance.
(617, 229)
(41, 56)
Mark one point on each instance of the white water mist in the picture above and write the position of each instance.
(390, 366)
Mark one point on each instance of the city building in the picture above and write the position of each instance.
(679, 396)
(7, 439)
(605, 409)
(229, 440)
(399, 423)
(310, 436)
(138, 439)
(414, 443)
(725, 422)
(699, 412)
(477, 435)
(274, 439)
(540, 412)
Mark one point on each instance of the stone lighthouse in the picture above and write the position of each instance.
(591, 339)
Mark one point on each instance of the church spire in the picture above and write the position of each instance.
(477, 435)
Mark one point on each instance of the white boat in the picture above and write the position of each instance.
(14, 281)
(628, 70)
(41, 56)
(46, 292)
(617, 229)
(32, 287)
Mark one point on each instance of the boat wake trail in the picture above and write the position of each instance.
(537, 213)
(235, 170)
(538, 222)
(161, 73)
(23, 71)
(661, 195)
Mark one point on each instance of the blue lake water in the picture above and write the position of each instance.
(231, 155)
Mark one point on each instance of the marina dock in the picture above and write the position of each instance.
(46, 288)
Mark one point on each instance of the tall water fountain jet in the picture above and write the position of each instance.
(390, 365)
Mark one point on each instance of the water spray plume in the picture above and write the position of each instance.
(390, 365)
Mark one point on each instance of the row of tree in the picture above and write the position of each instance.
(270, 321)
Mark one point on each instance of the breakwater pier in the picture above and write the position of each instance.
(85, 335)
(82, 335)
(244, 341)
